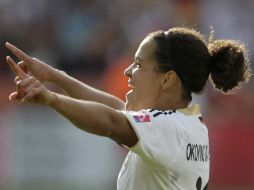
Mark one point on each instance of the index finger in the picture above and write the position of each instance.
(17, 70)
(19, 53)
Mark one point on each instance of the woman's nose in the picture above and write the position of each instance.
(128, 71)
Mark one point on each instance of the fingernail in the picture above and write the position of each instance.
(8, 57)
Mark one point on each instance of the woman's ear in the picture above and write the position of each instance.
(168, 79)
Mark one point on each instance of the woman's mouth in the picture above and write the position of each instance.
(131, 87)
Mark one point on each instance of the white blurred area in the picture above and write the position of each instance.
(44, 149)
(39, 149)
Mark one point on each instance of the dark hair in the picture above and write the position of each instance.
(186, 52)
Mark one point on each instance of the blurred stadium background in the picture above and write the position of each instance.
(94, 41)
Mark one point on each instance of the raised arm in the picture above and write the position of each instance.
(76, 89)
(92, 117)
(95, 118)
(72, 87)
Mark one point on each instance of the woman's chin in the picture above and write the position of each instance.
(129, 94)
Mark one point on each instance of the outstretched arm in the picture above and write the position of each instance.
(92, 117)
(76, 89)
(95, 118)
(72, 87)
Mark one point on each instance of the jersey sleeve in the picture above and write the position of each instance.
(159, 140)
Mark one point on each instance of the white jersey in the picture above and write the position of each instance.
(172, 151)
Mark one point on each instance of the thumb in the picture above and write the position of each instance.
(14, 97)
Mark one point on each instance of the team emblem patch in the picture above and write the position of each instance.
(141, 118)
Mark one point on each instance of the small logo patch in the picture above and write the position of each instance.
(141, 118)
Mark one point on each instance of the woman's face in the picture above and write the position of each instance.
(144, 80)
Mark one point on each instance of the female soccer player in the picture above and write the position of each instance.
(167, 140)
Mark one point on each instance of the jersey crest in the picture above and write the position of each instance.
(141, 118)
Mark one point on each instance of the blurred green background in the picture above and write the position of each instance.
(94, 41)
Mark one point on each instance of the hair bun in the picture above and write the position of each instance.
(229, 64)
